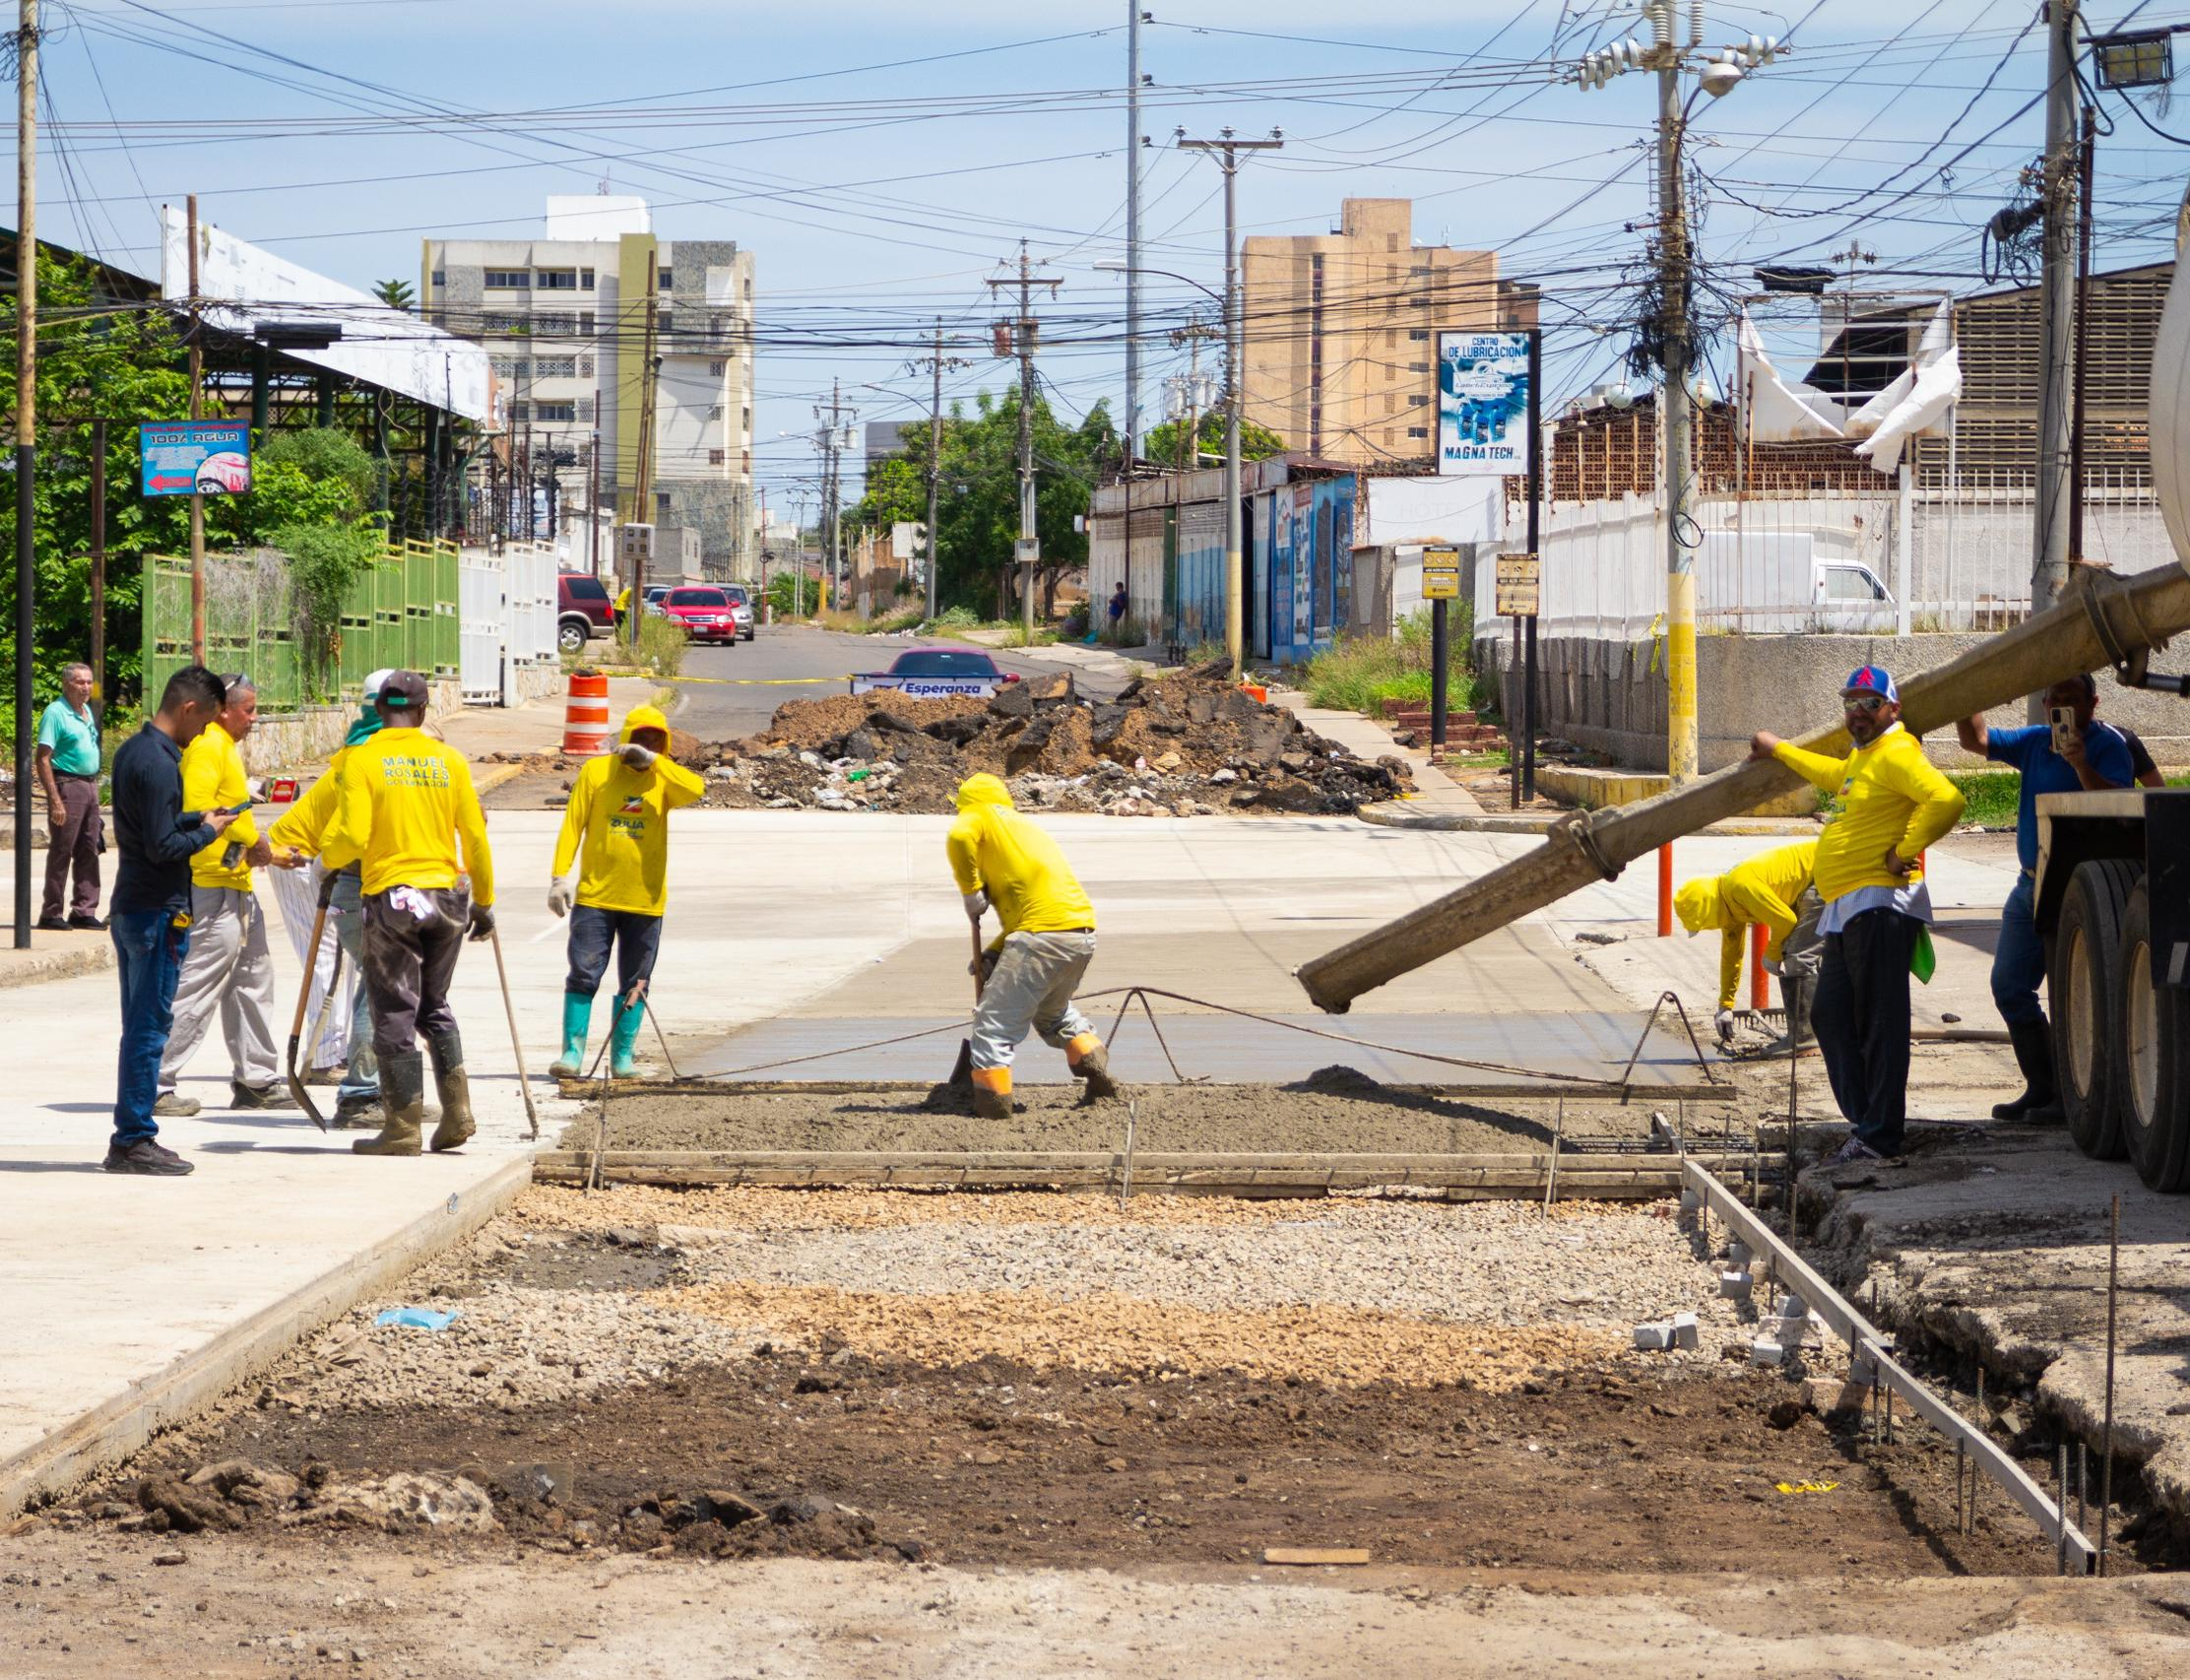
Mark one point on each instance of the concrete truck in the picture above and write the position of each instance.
(2115, 874)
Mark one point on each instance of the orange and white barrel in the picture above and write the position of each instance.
(585, 717)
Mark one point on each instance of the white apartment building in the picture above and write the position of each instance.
(566, 322)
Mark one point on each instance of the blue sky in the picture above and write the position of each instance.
(881, 161)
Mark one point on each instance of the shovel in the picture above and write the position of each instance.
(961, 1076)
(303, 996)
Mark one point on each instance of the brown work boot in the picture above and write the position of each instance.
(402, 1089)
(454, 1088)
(359, 1114)
(1087, 1060)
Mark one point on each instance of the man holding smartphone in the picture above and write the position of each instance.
(230, 967)
(2070, 751)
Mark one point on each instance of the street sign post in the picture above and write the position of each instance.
(1519, 592)
(1518, 580)
(1441, 583)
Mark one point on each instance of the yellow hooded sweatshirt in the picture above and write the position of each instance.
(622, 816)
(406, 800)
(1891, 797)
(992, 849)
(212, 775)
(1761, 892)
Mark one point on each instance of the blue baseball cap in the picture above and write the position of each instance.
(1873, 680)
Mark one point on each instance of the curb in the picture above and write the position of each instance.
(1385, 817)
(82, 1448)
(91, 957)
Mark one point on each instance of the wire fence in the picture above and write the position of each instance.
(1898, 560)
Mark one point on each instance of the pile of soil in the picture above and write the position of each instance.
(1189, 743)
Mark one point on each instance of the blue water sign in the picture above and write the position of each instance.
(182, 457)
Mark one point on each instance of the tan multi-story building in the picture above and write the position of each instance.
(1341, 332)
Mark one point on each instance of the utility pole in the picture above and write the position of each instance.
(936, 361)
(1226, 150)
(1671, 58)
(833, 437)
(1024, 332)
(1192, 335)
(26, 440)
(2056, 313)
(1134, 19)
(197, 413)
(642, 489)
(2086, 166)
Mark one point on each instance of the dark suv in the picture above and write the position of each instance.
(583, 610)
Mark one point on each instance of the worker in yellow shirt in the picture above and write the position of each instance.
(1001, 860)
(618, 815)
(405, 808)
(1772, 892)
(297, 839)
(1877, 919)
(230, 968)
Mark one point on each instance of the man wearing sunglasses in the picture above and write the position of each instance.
(1877, 909)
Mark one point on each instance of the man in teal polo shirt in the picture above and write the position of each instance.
(68, 771)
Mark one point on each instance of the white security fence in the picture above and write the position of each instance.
(507, 602)
(1898, 560)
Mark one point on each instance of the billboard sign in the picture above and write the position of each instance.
(1483, 404)
(189, 457)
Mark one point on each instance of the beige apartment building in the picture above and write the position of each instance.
(1341, 332)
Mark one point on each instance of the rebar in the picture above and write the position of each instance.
(2106, 1432)
(1551, 1174)
(2060, 1498)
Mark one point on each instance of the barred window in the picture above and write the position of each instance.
(555, 367)
(585, 325)
(585, 367)
(552, 326)
(717, 368)
(585, 410)
(512, 326)
(714, 457)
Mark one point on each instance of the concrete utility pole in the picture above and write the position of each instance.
(1717, 77)
(2056, 313)
(1192, 335)
(1023, 334)
(1133, 19)
(833, 439)
(935, 362)
(1226, 150)
(26, 440)
(197, 411)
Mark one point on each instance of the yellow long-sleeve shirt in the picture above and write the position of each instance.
(622, 816)
(405, 803)
(1761, 892)
(992, 849)
(1891, 797)
(212, 776)
(304, 824)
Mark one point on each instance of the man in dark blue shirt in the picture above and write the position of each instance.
(2095, 755)
(150, 914)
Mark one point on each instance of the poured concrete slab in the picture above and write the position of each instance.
(1532, 1054)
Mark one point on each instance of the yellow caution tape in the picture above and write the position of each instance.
(1807, 1487)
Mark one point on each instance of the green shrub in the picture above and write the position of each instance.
(1360, 674)
(954, 618)
(1989, 797)
(1128, 632)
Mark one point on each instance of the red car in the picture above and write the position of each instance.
(706, 613)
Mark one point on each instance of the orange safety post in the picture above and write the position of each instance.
(1665, 891)
(1760, 983)
(585, 717)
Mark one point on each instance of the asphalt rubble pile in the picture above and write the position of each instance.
(1186, 744)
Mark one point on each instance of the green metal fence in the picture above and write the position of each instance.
(402, 613)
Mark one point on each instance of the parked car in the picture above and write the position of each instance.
(583, 610)
(927, 673)
(741, 603)
(704, 612)
(653, 600)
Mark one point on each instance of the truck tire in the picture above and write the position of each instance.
(2083, 986)
(2155, 1058)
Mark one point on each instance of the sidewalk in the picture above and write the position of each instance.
(536, 726)
(1436, 794)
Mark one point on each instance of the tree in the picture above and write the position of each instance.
(396, 293)
(1164, 445)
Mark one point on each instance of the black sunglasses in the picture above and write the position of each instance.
(1863, 702)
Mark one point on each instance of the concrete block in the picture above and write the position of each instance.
(1686, 1332)
(1835, 1396)
(1738, 1252)
(1767, 1353)
(1654, 1338)
(1734, 1285)
(1691, 1201)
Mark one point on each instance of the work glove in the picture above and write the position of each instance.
(637, 757)
(560, 896)
(977, 906)
(483, 922)
(1725, 1027)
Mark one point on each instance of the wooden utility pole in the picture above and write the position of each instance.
(26, 441)
(1024, 332)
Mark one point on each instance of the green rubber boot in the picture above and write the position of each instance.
(578, 1021)
(625, 1038)
(403, 1090)
(455, 1087)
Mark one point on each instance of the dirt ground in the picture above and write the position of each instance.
(1335, 1111)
